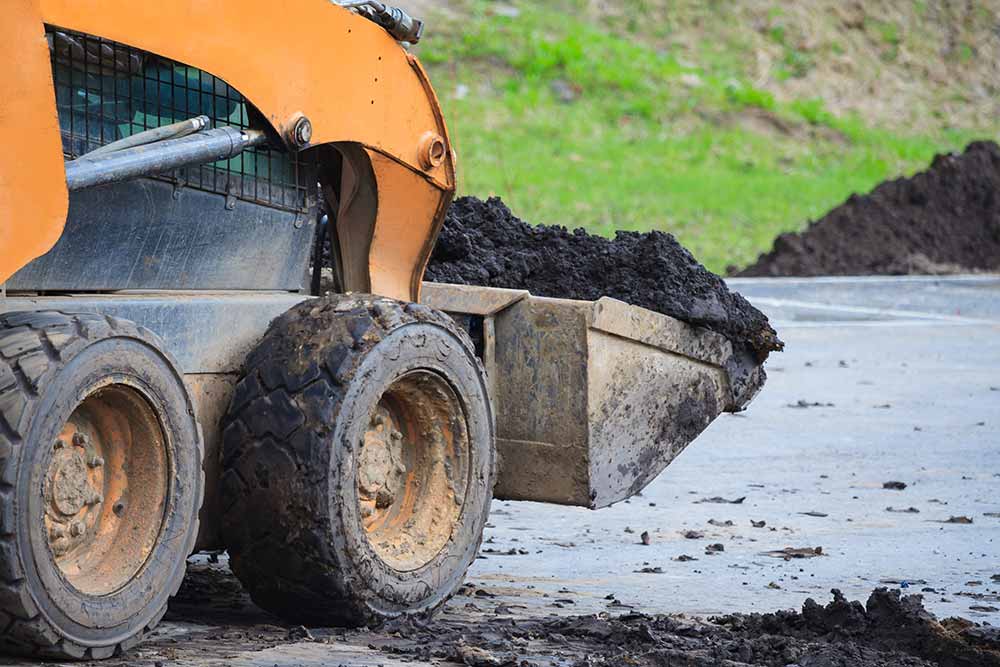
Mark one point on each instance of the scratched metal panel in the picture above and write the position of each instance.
(146, 234)
(206, 333)
(594, 399)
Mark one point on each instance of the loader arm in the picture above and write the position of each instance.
(310, 59)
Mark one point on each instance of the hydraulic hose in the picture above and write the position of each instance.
(159, 157)
(172, 131)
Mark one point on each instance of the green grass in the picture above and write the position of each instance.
(577, 125)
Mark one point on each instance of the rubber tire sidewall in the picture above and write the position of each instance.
(113, 618)
(415, 346)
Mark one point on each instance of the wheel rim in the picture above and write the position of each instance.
(105, 489)
(413, 470)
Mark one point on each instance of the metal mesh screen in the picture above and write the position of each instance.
(106, 91)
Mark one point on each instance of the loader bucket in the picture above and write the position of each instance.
(593, 399)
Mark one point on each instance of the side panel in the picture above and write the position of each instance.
(206, 332)
(402, 240)
(541, 358)
(148, 234)
(32, 180)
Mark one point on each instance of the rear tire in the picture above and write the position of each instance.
(358, 462)
(100, 483)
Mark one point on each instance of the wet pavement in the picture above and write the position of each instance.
(883, 380)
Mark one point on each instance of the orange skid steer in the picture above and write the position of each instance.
(172, 379)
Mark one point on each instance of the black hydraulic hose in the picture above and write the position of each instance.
(317, 275)
(163, 156)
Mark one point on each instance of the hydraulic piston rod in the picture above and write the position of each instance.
(159, 157)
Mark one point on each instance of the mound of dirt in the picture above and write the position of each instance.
(482, 243)
(943, 220)
(891, 631)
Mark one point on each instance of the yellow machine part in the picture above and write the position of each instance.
(33, 197)
(307, 58)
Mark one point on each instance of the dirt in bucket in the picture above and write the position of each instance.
(483, 243)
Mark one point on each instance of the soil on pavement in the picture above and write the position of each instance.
(212, 621)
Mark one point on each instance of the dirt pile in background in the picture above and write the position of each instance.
(483, 243)
(890, 631)
(943, 220)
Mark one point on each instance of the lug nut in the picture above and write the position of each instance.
(60, 443)
(57, 532)
(301, 133)
(80, 440)
(95, 461)
(77, 529)
(396, 435)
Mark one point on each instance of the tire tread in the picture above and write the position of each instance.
(273, 422)
(34, 345)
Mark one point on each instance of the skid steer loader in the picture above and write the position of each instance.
(170, 382)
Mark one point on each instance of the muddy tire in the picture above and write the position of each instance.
(100, 483)
(358, 462)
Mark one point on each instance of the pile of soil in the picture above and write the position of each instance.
(890, 631)
(483, 243)
(943, 220)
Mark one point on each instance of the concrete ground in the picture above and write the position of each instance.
(883, 379)
(901, 377)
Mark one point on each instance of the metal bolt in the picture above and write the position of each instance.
(80, 440)
(301, 133)
(432, 150)
(56, 532)
(77, 529)
(60, 443)
(95, 461)
(396, 435)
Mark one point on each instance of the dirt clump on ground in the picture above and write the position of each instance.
(890, 631)
(483, 243)
(212, 621)
(940, 221)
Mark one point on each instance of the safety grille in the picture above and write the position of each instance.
(106, 91)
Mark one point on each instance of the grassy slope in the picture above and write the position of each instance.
(723, 123)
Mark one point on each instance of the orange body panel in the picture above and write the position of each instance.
(310, 57)
(33, 196)
(401, 242)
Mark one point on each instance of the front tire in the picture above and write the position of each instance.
(358, 462)
(100, 483)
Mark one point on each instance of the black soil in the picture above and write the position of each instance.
(483, 243)
(484, 627)
(943, 220)
(890, 631)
